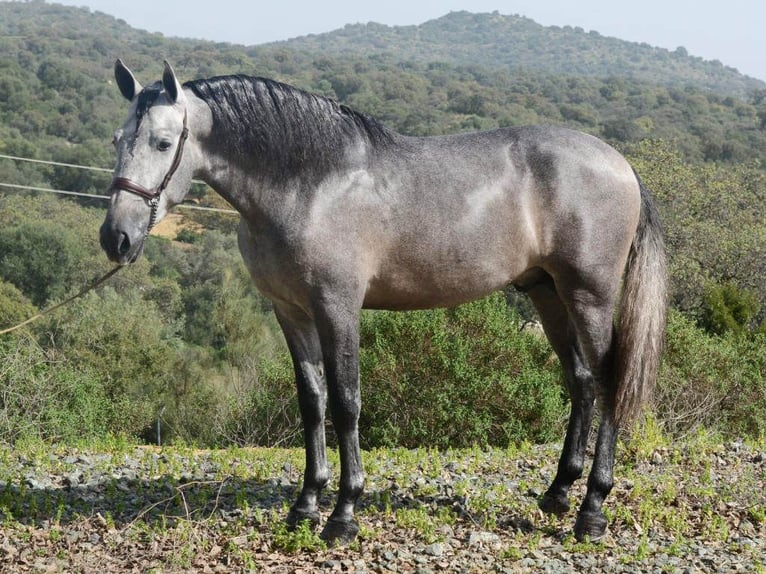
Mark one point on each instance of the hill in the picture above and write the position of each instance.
(185, 316)
(515, 42)
(457, 73)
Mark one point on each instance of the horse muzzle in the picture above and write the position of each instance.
(123, 244)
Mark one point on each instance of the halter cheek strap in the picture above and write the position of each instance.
(153, 195)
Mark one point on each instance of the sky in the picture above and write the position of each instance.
(731, 31)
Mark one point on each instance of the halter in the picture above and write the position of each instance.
(153, 195)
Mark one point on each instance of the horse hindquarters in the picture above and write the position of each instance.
(617, 367)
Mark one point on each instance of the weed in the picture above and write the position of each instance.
(302, 539)
(417, 519)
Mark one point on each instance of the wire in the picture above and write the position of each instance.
(62, 164)
(57, 163)
(90, 195)
(94, 196)
(61, 191)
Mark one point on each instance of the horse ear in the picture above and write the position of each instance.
(126, 81)
(170, 83)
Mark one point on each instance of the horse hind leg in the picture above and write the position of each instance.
(592, 315)
(579, 324)
(579, 383)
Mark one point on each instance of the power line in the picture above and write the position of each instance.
(62, 164)
(56, 163)
(89, 195)
(94, 196)
(61, 191)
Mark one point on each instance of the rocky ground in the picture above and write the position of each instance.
(688, 508)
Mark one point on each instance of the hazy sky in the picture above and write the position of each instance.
(732, 31)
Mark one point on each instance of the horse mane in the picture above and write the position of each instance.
(285, 131)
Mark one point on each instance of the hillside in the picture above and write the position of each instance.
(461, 72)
(186, 315)
(514, 42)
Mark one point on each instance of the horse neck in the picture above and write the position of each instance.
(261, 190)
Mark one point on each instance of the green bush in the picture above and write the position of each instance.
(457, 377)
(262, 408)
(50, 400)
(14, 306)
(711, 381)
(728, 309)
(39, 258)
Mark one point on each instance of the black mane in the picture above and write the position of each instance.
(286, 131)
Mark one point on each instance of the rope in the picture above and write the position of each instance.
(41, 314)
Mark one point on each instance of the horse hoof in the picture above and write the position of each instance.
(590, 526)
(295, 517)
(339, 532)
(557, 504)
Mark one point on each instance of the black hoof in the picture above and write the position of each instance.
(339, 532)
(590, 526)
(557, 504)
(295, 517)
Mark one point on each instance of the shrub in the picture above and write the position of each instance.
(39, 258)
(50, 400)
(711, 381)
(728, 308)
(263, 407)
(457, 377)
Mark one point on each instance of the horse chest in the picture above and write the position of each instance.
(277, 263)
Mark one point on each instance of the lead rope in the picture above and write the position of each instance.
(42, 314)
(154, 204)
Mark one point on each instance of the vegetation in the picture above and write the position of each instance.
(183, 336)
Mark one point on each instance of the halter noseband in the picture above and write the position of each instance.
(153, 195)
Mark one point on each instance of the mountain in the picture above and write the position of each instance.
(512, 42)
(460, 72)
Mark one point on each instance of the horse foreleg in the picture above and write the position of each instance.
(305, 350)
(339, 333)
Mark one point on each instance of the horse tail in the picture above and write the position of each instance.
(642, 314)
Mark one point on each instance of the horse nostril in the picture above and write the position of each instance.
(123, 244)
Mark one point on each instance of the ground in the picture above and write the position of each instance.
(692, 507)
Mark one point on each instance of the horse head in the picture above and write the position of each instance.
(152, 172)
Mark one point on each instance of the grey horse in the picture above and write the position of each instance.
(339, 213)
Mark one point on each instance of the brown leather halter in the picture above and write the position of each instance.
(153, 195)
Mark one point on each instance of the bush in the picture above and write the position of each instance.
(39, 258)
(263, 406)
(457, 377)
(728, 308)
(711, 381)
(49, 400)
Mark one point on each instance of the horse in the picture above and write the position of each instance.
(340, 213)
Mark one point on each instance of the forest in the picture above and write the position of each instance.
(183, 335)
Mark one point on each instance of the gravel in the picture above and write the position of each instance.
(684, 509)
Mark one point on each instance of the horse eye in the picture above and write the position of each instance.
(164, 145)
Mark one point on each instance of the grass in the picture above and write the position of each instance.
(183, 508)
